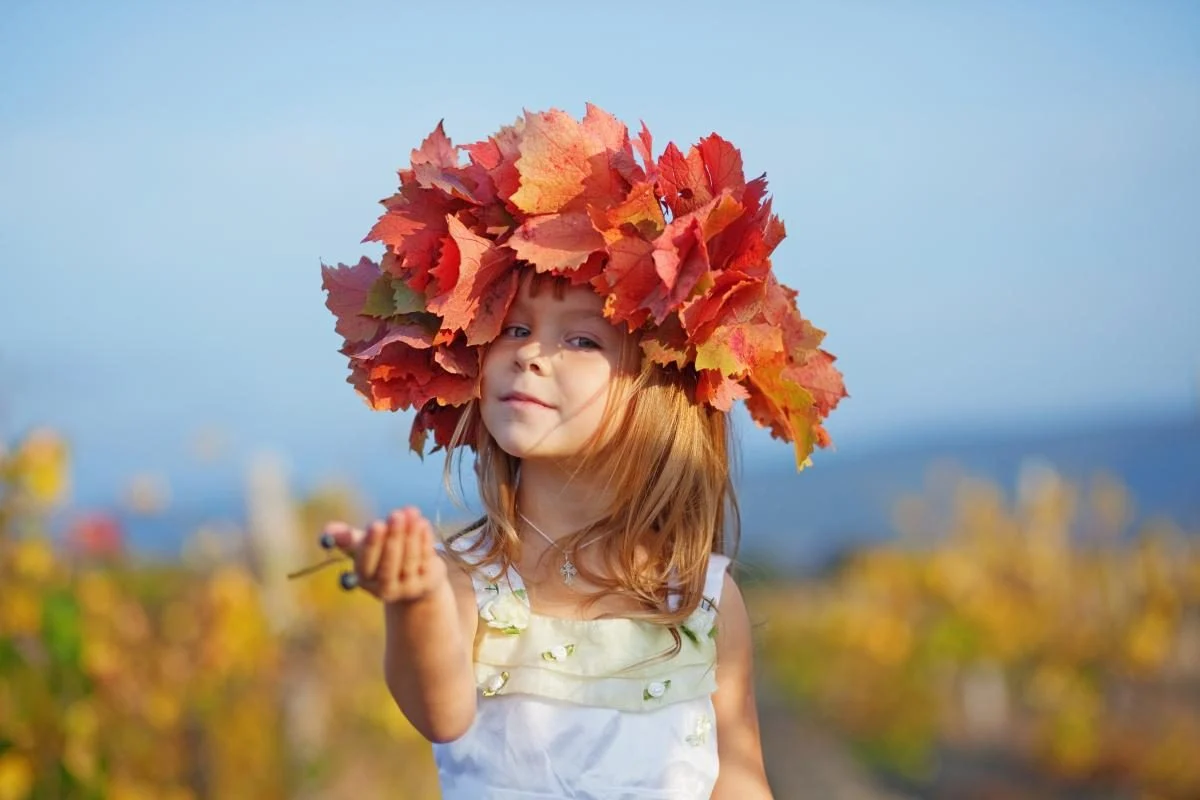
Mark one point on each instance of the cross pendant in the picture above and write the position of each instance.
(568, 570)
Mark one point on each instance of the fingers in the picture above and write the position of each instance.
(414, 551)
(393, 558)
(342, 536)
(366, 556)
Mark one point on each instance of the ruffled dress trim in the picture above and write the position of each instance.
(611, 663)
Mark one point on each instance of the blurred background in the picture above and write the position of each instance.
(989, 589)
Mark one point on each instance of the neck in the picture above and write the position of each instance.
(557, 501)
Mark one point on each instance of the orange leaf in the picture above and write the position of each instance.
(719, 391)
(555, 161)
(736, 349)
(639, 213)
(784, 406)
(666, 344)
(557, 242)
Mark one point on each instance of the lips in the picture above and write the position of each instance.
(520, 398)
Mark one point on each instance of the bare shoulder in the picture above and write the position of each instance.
(739, 743)
(733, 623)
(464, 593)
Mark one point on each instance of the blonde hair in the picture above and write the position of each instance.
(664, 462)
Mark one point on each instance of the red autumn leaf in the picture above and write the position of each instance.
(731, 290)
(455, 183)
(443, 274)
(412, 229)
(626, 168)
(411, 336)
(348, 288)
(683, 180)
(680, 259)
(748, 241)
(718, 390)
(395, 360)
(589, 271)
(441, 421)
(449, 390)
(556, 242)
(486, 153)
(458, 358)
(644, 145)
(629, 279)
(779, 308)
(436, 149)
(387, 394)
(723, 164)
(719, 215)
(480, 262)
(493, 306)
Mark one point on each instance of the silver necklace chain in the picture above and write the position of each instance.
(567, 570)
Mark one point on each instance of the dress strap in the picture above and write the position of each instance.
(484, 579)
(714, 580)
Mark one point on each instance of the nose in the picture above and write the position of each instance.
(530, 356)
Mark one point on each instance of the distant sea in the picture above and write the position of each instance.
(800, 522)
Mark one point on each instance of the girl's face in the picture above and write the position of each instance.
(546, 378)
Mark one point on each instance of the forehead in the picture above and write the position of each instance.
(557, 294)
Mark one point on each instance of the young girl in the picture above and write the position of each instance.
(583, 323)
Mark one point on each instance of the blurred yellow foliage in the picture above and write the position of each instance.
(1029, 628)
(122, 680)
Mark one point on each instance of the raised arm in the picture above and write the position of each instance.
(430, 618)
(739, 746)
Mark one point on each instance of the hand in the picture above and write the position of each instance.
(394, 559)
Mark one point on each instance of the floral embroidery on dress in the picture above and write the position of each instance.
(699, 734)
(507, 611)
(494, 684)
(559, 652)
(701, 623)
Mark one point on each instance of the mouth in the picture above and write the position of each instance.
(521, 399)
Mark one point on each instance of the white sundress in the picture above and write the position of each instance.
(585, 708)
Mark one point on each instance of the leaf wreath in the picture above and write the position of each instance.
(678, 247)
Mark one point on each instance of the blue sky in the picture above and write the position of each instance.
(992, 208)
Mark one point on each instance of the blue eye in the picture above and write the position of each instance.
(584, 343)
(515, 331)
